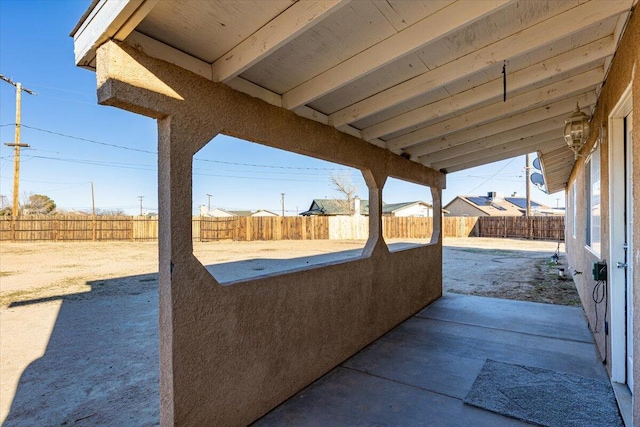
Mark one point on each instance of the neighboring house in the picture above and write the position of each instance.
(340, 207)
(216, 212)
(337, 207)
(262, 212)
(493, 204)
(406, 209)
(221, 213)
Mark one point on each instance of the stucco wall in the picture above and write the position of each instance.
(415, 210)
(228, 354)
(624, 71)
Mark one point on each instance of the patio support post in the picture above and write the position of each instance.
(229, 354)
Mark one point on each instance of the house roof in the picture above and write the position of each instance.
(423, 78)
(394, 207)
(341, 207)
(334, 207)
(508, 206)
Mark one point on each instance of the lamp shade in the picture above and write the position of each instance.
(576, 130)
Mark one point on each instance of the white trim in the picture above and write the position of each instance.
(616, 234)
(109, 19)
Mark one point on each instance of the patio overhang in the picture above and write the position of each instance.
(422, 79)
(404, 89)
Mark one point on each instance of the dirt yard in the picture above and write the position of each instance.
(78, 321)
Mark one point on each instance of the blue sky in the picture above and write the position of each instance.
(74, 141)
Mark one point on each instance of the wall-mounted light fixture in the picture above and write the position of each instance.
(576, 130)
(602, 135)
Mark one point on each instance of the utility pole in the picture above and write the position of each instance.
(93, 211)
(16, 142)
(209, 203)
(528, 176)
(93, 201)
(140, 198)
(282, 203)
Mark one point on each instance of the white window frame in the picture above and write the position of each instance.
(573, 210)
(593, 202)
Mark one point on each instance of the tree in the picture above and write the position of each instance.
(111, 212)
(343, 184)
(39, 204)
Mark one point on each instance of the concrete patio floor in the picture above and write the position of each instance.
(419, 373)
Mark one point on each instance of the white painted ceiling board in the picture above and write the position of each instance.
(521, 103)
(563, 107)
(351, 30)
(550, 125)
(403, 13)
(460, 104)
(208, 29)
(426, 98)
(490, 29)
(383, 78)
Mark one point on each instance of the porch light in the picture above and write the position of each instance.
(576, 130)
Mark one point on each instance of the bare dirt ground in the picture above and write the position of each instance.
(78, 321)
(507, 268)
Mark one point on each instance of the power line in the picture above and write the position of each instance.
(151, 168)
(89, 140)
(492, 176)
(270, 166)
(122, 147)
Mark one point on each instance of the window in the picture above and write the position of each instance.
(592, 171)
(572, 204)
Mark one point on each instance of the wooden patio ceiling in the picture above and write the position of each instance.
(423, 78)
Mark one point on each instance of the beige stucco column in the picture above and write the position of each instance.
(231, 353)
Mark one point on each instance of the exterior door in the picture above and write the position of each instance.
(629, 247)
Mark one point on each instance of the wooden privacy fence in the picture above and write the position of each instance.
(140, 228)
(533, 227)
(261, 228)
(78, 228)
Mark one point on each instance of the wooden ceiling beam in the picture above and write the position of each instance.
(519, 80)
(531, 38)
(554, 125)
(434, 27)
(295, 20)
(546, 94)
(510, 149)
(505, 151)
(536, 115)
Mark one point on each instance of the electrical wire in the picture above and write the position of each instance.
(122, 147)
(492, 176)
(598, 295)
